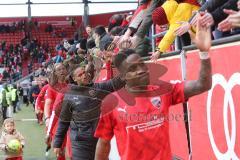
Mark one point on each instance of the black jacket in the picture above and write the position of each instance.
(81, 110)
(142, 45)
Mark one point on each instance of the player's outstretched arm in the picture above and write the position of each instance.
(202, 39)
(103, 149)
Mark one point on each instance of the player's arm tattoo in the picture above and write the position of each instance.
(203, 83)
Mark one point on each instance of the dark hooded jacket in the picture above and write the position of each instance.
(81, 109)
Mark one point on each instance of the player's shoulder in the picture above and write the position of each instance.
(171, 87)
(50, 88)
(115, 95)
(59, 95)
(112, 101)
(46, 86)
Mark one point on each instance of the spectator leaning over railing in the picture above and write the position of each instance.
(171, 13)
(139, 41)
(144, 10)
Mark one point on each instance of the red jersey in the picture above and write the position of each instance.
(55, 114)
(41, 98)
(52, 92)
(58, 101)
(109, 70)
(141, 130)
(53, 124)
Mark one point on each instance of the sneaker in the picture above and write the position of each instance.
(47, 154)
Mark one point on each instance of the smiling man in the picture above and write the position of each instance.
(141, 128)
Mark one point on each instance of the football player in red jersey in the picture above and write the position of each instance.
(57, 84)
(40, 101)
(141, 128)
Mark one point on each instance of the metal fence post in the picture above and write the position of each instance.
(185, 105)
(177, 44)
(153, 38)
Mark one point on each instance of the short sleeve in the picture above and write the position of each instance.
(178, 93)
(105, 127)
(42, 92)
(51, 93)
(41, 95)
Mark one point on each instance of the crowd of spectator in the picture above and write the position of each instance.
(22, 25)
(11, 61)
(179, 17)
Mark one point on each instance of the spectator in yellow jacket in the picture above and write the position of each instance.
(172, 13)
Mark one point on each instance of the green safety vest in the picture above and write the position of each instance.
(9, 98)
(14, 94)
(5, 98)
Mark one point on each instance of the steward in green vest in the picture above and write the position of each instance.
(5, 100)
(14, 97)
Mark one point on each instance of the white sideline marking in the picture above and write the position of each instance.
(29, 119)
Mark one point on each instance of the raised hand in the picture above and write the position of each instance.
(125, 44)
(155, 56)
(111, 47)
(232, 21)
(206, 18)
(185, 26)
(202, 38)
(135, 41)
(126, 36)
(194, 20)
(117, 39)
